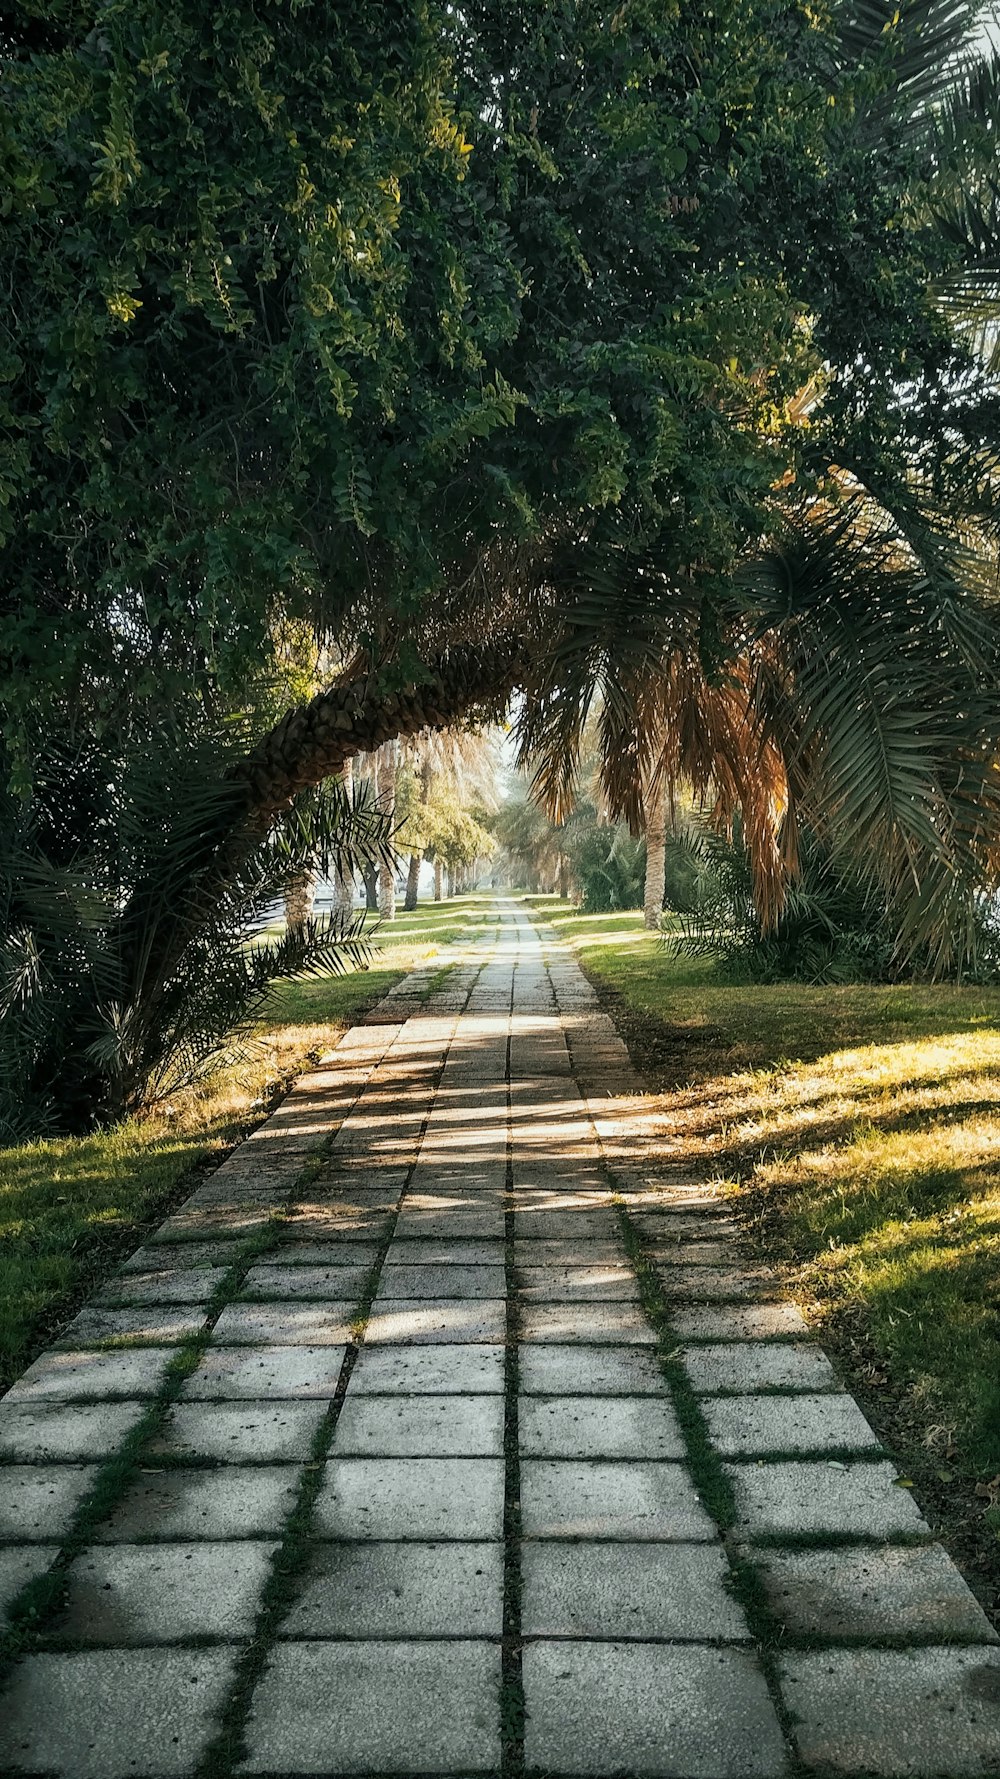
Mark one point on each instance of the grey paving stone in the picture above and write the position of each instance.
(97, 1327)
(732, 1321)
(578, 1284)
(323, 1283)
(860, 1500)
(423, 1498)
(242, 1432)
(19, 1564)
(865, 1591)
(193, 1257)
(328, 1225)
(84, 1714)
(598, 1427)
(750, 1426)
(913, 1712)
(707, 1284)
(603, 1500)
(33, 1432)
(201, 1225)
(420, 1426)
(665, 1233)
(285, 1324)
(445, 1225)
(440, 1282)
(614, 1323)
(759, 1365)
(377, 1708)
(322, 1254)
(165, 1285)
(600, 1225)
(448, 1370)
(405, 1321)
(568, 1253)
(248, 1501)
(668, 1591)
(235, 1372)
(416, 1253)
(400, 1590)
(589, 1371)
(124, 1594)
(63, 1376)
(40, 1500)
(653, 1708)
(724, 1255)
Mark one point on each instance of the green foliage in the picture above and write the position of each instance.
(608, 865)
(85, 1034)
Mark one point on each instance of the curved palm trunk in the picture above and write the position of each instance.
(656, 858)
(300, 899)
(412, 883)
(343, 893)
(386, 760)
(438, 880)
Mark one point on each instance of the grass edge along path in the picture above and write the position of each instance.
(862, 1166)
(72, 1208)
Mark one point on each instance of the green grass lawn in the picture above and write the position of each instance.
(70, 1208)
(861, 1127)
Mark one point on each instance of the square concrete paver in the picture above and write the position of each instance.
(62, 1377)
(377, 1708)
(450, 1370)
(40, 1500)
(167, 1257)
(860, 1500)
(578, 1284)
(400, 1590)
(568, 1254)
(99, 1327)
(242, 1432)
(324, 1284)
(422, 1498)
(708, 1284)
(601, 1500)
(359, 1256)
(248, 1501)
(401, 1281)
(599, 1225)
(759, 1365)
(751, 1425)
(445, 1254)
(611, 1323)
(235, 1372)
(36, 1431)
(598, 1427)
(589, 1371)
(193, 1284)
(735, 1321)
(285, 1324)
(918, 1712)
(156, 1593)
(420, 1426)
(85, 1714)
(599, 1708)
(903, 1590)
(435, 1321)
(627, 1591)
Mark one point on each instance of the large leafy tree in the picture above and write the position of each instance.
(489, 341)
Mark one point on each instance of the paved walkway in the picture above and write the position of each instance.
(443, 1431)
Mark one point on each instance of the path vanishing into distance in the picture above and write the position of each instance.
(443, 1430)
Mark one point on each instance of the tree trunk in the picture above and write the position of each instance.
(300, 898)
(438, 880)
(371, 889)
(412, 883)
(385, 768)
(563, 880)
(343, 889)
(656, 857)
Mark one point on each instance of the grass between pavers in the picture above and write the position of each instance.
(859, 1129)
(70, 1208)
